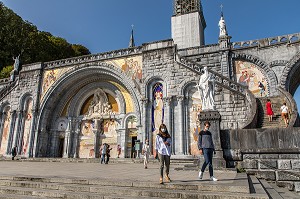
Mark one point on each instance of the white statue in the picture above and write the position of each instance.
(222, 26)
(97, 105)
(17, 63)
(206, 88)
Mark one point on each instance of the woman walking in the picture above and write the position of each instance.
(146, 153)
(163, 150)
(269, 110)
(207, 148)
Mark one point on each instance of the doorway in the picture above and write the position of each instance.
(133, 151)
(61, 147)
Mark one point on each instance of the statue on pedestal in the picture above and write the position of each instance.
(206, 88)
(222, 26)
(17, 63)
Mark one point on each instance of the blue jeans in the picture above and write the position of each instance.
(208, 154)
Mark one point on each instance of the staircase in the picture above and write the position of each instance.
(263, 121)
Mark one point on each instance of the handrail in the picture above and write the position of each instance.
(226, 83)
(291, 104)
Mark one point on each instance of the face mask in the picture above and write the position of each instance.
(163, 130)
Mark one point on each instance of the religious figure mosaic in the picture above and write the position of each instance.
(250, 75)
(6, 131)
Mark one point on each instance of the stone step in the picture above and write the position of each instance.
(94, 185)
(276, 192)
(14, 196)
(127, 192)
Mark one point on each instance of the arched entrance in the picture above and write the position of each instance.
(90, 102)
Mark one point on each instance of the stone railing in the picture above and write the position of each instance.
(199, 50)
(221, 80)
(267, 41)
(6, 89)
(4, 81)
(290, 101)
(228, 84)
(94, 57)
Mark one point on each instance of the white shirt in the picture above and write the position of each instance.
(161, 147)
(284, 109)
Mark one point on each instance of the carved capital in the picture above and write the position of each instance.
(145, 101)
(180, 98)
(167, 100)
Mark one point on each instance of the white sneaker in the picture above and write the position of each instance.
(200, 174)
(213, 178)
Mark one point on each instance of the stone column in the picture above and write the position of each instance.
(145, 130)
(18, 131)
(224, 43)
(179, 122)
(2, 118)
(187, 127)
(11, 132)
(148, 123)
(123, 142)
(31, 144)
(20, 139)
(168, 120)
(76, 139)
(96, 131)
(67, 143)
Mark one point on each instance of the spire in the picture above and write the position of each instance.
(131, 42)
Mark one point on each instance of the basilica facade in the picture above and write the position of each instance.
(69, 108)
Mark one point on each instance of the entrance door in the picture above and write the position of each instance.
(133, 151)
(61, 147)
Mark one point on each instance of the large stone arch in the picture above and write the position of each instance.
(290, 76)
(266, 70)
(71, 83)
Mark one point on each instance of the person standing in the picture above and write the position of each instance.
(104, 150)
(163, 150)
(13, 152)
(269, 110)
(285, 114)
(107, 153)
(118, 151)
(146, 153)
(207, 148)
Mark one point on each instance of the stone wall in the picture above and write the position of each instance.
(272, 154)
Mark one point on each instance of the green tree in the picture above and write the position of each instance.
(22, 37)
(5, 72)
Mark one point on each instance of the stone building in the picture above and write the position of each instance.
(69, 108)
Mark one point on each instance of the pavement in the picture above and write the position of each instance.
(113, 171)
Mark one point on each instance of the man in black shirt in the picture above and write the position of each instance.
(207, 148)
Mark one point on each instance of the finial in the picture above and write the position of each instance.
(131, 42)
(221, 10)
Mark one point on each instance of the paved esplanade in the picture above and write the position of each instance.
(114, 171)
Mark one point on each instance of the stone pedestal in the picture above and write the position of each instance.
(214, 119)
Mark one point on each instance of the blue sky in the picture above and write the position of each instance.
(105, 25)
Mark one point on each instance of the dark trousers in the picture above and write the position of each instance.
(208, 155)
(102, 158)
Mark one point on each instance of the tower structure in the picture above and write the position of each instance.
(188, 23)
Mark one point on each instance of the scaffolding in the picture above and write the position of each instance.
(186, 6)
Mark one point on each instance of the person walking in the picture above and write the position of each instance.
(146, 153)
(13, 152)
(285, 114)
(104, 150)
(163, 150)
(107, 153)
(207, 148)
(270, 112)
